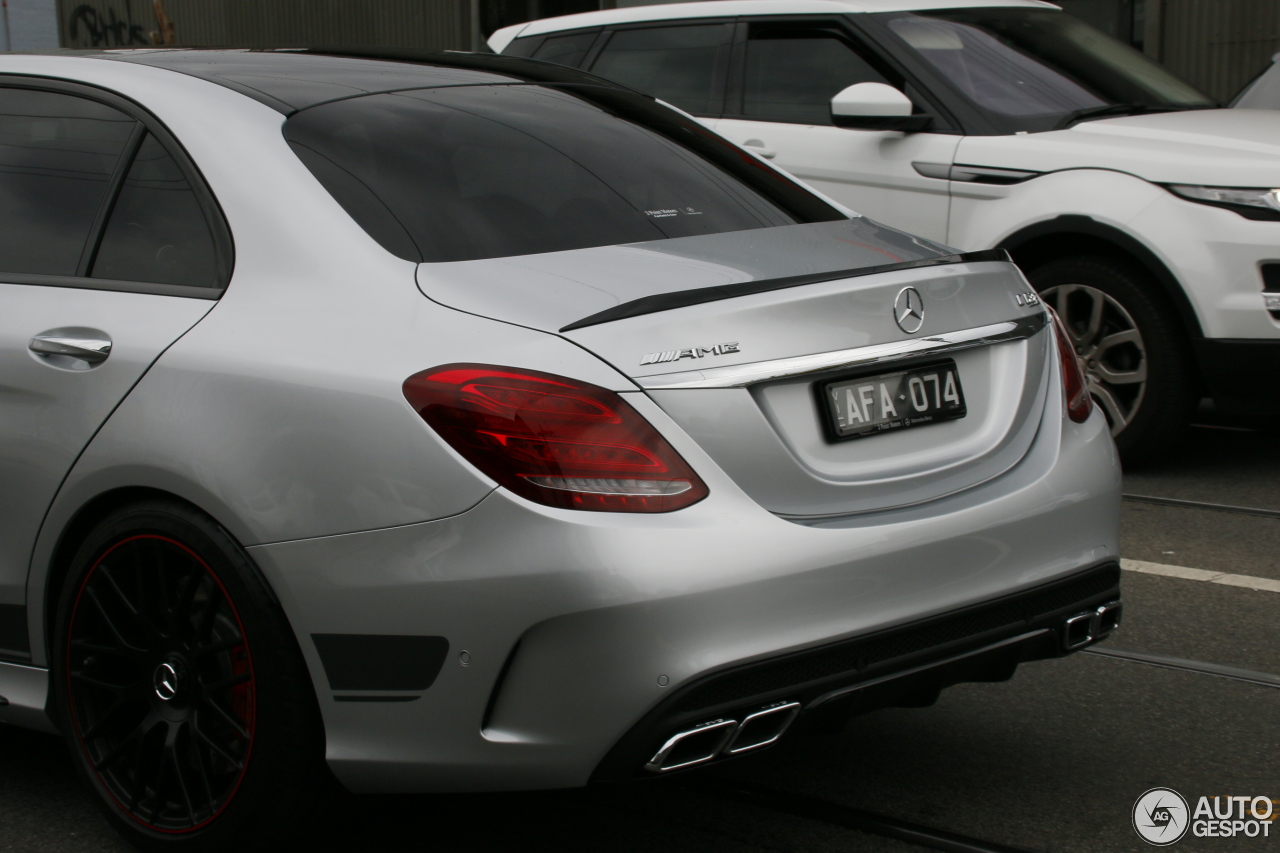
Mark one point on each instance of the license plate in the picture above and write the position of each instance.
(887, 402)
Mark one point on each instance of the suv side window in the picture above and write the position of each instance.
(58, 154)
(157, 231)
(568, 49)
(792, 74)
(682, 65)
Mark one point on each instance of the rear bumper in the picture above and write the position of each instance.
(905, 666)
(1243, 376)
(576, 625)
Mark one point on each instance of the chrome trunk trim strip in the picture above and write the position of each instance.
(742, 375)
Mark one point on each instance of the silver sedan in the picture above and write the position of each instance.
(457, 423)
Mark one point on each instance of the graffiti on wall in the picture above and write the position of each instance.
(115, 25)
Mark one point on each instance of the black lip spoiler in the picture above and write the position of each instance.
(682, 298)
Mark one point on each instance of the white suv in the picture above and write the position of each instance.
(1144, 213)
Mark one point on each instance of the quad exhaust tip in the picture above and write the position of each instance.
(762, 728)
(1091, 625)
(706, 741)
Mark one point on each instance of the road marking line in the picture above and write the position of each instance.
(1247, 581)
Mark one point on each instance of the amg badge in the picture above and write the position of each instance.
(692, 352)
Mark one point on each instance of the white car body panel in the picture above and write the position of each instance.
(1226, 148)
(1216, 252)
(869, 171)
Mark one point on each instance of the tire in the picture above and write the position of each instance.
(1133, 348)
(181, 690)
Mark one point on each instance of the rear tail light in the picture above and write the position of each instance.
(1074, 384)
(554, 440)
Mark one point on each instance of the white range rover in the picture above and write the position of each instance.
(1148, 216)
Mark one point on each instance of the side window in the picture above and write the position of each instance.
(57, 156)
(792, 75)
(568, 49)
(157, 231)
(682, 65)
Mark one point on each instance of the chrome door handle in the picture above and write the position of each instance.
(92, 350)
(757, 147)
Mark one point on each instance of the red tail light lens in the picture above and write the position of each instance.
(554, 440)
(1079, 403)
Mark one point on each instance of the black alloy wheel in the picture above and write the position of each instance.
(181, 689)
(1134, 351)
(161, 682)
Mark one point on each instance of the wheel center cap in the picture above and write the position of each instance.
(168, 680)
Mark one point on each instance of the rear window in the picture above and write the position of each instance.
(491, 171)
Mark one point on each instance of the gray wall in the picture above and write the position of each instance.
(32, 25)
(1219, 45)
(423, 24)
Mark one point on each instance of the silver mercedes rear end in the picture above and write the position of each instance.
(837, 468)
(742, 337)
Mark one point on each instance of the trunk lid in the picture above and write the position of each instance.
(733, 333)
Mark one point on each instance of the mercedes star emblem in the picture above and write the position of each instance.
(166, 681)
(908, 310)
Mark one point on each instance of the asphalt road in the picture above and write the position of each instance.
(1050, 761)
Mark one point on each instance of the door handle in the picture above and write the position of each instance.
(93, 350)
(757, 147)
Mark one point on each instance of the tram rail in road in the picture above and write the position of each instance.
(1185, 504)
(814, 808)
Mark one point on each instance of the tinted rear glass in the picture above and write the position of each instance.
(57, 154)
(492, 171)
(157, 231)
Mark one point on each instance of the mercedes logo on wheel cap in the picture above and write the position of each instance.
(908, 310)
(166, 681)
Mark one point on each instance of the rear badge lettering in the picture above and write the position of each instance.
(1028, 299)
(691, 352)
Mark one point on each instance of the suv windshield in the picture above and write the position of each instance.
(468, 172)
(1038, 69)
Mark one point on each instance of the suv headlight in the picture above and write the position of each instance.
(1249, 203)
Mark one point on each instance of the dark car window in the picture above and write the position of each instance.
(157, 231)
(568, 49)
(57, 156)
(682, 65)
(492, 171)
(792, 75)
(1029, 69)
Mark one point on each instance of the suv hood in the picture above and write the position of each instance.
(1223, 147)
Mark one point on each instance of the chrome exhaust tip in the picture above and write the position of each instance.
(697, 745)
(1077, 632)
(763, 727)
(1108, 619)
(1092, 625)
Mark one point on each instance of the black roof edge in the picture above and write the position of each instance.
(684, 298)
